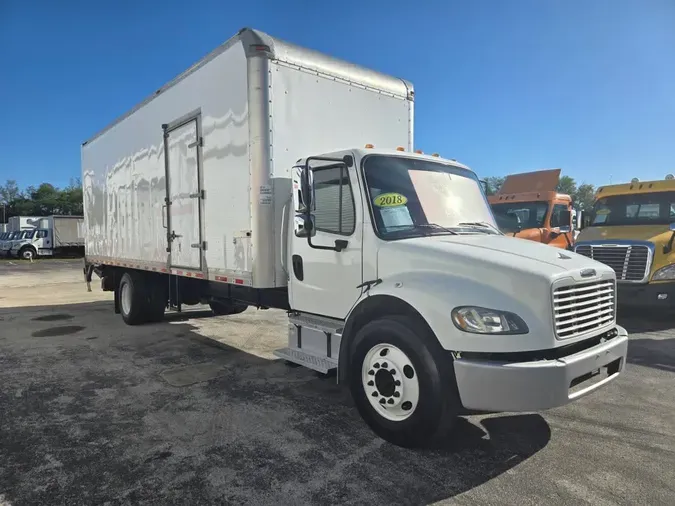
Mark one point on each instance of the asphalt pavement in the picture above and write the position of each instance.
(195, 410)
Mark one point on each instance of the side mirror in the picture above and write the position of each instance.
(303, 189)
(580, 221)
(303, 225)
(565, 221)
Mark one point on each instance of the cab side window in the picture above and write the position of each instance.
(334, 202)
(558, 209)
(41, 234)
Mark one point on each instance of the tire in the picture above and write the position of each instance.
(221, 308)
(400, 412)
(27, 253)
(133, 301)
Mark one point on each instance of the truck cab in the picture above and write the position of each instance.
(631, 228)
(527, 206)
(31, 244)
(399, 276)
(9, 241)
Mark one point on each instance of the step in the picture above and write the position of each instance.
(314, 362)
(320, 323)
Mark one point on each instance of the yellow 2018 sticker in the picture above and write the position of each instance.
(390, 200)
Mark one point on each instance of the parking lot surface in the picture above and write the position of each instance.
(196, 410)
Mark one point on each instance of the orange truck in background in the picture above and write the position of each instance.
(528, 206)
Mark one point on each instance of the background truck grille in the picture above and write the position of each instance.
(583, 307)
(629, 261)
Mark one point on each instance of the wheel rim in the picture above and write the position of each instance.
(390, 382)
(125, 298)
(27, 254)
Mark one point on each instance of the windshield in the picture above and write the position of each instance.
(515, 216)
(656, 208)
(411, 197)
(28, 234)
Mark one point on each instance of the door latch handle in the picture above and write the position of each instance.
(174, 235)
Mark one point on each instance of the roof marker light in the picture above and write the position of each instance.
(435, 154)
(400, 148)
(419, 151)
(369, 146)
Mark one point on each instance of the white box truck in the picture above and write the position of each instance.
(51, 235)
(245, 182)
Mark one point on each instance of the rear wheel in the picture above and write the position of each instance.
(402, 381)
(132, 302)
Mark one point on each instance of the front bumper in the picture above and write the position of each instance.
(486, 385)
(651, 295)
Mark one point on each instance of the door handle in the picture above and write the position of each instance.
(164, 216)
(174, 235)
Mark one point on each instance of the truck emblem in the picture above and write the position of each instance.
(563, 257)
(587, 273)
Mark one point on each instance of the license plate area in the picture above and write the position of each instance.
(595, 376)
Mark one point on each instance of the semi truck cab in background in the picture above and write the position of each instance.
(222, 189)
(632, 229)
(527, 206)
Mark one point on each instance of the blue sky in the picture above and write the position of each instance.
(503, 86)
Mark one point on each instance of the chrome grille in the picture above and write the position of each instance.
(580, 308)
(629, 261)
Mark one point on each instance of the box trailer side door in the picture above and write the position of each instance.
(182, 143)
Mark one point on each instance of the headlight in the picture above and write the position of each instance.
(667, 272)
(480, 320)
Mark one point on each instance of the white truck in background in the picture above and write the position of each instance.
(16, 228)
(49, 236)
(245, 182)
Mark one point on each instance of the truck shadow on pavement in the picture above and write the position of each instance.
(658, 351)
(161, 414)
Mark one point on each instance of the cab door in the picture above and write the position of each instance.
(322, 280)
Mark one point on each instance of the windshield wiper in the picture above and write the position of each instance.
(481, 224)
(436, 226)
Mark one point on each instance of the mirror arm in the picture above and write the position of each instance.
(667, 248)
(337, 246)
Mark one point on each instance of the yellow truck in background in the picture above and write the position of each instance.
(527, 206)
(631, 229)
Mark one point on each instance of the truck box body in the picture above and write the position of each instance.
(68, 231)
(23, 223)
(197, 178)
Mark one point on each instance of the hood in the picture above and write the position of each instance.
(492, 252)
(653, 233)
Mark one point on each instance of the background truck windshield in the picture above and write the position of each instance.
(413, 197)
(656, 208)
(515, 216)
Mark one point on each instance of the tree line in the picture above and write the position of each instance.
(43, 200)
(582, 195)
(47, 199)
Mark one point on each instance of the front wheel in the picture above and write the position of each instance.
(402, 381)
(27, 254)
